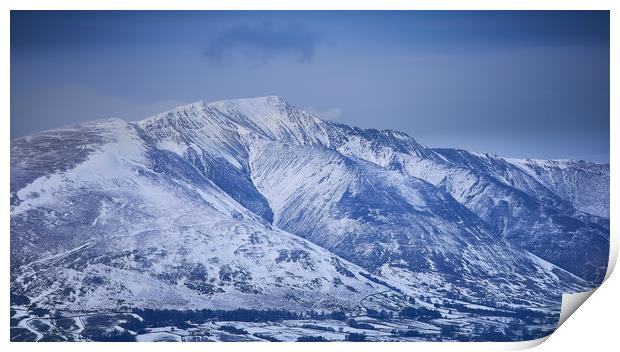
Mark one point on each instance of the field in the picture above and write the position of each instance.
(203, 327)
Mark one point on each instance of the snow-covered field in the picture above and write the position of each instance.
(113, 327)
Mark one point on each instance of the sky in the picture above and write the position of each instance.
(515, 83)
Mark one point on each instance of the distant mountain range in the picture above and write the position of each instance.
(254, 203)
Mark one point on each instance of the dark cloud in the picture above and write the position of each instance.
(263, 43)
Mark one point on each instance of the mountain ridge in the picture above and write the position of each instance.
(367, 144)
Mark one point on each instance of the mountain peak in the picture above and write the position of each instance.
(253, 108)
(266, 104)
(196, 108)
(267, 99)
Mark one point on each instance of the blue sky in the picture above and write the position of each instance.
(519, 84)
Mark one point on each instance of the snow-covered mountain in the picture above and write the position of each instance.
(527, 212)
(516, 205)
(122, 224)
(255, 203)
(583, 184)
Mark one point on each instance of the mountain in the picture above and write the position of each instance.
(127, 225)
(516, 205)
(254, 203)
(384, 221)
(583, 184)
(527, 213)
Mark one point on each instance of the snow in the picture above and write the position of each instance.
(583, 184)
(255, 203)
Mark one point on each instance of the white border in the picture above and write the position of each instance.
(597, 324)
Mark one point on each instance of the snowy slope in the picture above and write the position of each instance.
(529, 213)
(504, 172)
(584, 184)
(383, 221)
(255, 203)
(515, 204)
(134, 226)
(270, 119)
